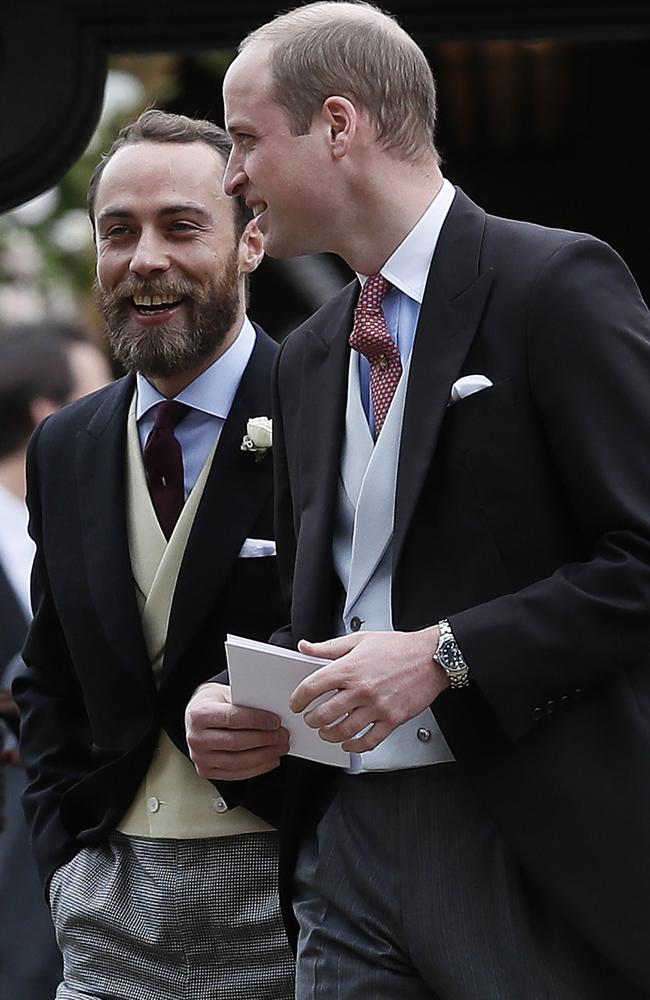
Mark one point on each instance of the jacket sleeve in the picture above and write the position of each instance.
(54, 740)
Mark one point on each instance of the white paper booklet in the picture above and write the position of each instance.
(264, 676)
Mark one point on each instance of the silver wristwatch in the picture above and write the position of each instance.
(450, 658)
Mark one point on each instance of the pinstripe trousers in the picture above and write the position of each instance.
(407, 891)
(148, 919)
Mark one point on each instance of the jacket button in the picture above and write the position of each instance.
(153, 804)
(355, 624)
(220, 805)
(549, 707)
(577, 694)
(564, 701)
(537, 714)
(424, 735)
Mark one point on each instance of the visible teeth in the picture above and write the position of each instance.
(148, 301)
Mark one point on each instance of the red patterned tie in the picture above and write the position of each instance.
(371, 338)
(163, 463)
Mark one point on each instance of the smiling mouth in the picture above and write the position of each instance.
(149, 305)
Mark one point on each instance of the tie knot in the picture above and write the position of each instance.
(169, 415)
(372, 294)
(370, 335)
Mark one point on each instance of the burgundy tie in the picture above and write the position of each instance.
(163, 463)
(371, 338)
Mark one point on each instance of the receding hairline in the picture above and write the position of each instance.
(162, 144)
(167, 145)
(330, 12)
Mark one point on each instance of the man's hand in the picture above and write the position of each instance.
(380, 680)
(229, 742)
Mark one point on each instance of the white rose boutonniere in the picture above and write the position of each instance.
(258, 438)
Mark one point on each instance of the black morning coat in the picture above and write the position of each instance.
(523, 515)
(91, 714)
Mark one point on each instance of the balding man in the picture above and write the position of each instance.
(461, 446)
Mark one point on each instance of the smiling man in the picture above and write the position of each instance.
(154, 537)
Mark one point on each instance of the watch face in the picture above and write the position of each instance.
(450, 656)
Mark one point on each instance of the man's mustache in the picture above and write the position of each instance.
(133, 287)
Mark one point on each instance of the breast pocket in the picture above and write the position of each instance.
(478, 419)
(496, 439)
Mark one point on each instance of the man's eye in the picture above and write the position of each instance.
(115, 232)
(182, 227)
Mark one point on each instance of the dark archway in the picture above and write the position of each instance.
(53, 57)
(539, 107)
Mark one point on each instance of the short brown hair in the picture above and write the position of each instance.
(34, 364)
(356, 51)
(161, 126)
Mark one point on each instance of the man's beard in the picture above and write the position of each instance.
(182, 345)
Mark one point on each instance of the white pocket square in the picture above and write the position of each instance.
(466, 386)
(254, 548)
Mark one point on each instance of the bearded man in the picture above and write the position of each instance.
(154, 537)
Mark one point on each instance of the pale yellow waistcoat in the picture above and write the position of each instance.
(172, 801)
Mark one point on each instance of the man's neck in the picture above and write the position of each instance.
(394, 200)
(172, 385)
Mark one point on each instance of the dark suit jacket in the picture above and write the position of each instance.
(91, 715)
(522, 514)
(13, 627)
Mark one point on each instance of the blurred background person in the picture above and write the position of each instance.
(43, 366)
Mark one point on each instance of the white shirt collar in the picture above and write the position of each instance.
(215, 388)
(408, 266)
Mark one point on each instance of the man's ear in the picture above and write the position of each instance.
(342, 119)
(251, 248)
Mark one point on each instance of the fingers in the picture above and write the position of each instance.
(234, 741)
(319, 684)
(331, 649)
(353, 726)
(210, 707)
(224, 765)
(231, 742)
(238, 717)
(330, 710)
(369, 740)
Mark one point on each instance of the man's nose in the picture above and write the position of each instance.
(235, 177)
(149, 256)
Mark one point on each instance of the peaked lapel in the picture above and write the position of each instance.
(321, 418)
(101, 486)
(235, 493)
(454, 300)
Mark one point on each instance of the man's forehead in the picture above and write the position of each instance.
(140, 167)
(248, 78)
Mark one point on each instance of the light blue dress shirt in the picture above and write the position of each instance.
(407, 269)
(210, 397)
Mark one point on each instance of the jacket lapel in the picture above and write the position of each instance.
(321, 419)
(452, 307)
(101, 487)
(235, 493)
